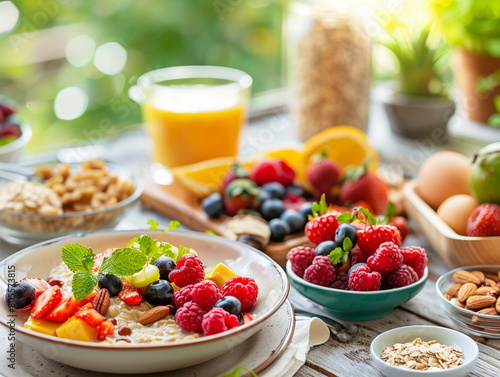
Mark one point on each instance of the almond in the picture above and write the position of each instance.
(479, 302)
(497, 305)
(462, 276)
(101, 301)
(490, 282)
(493, 277)
(455, 302)
(452, 290)
(488, 311)
(153, 314)
(479, 275)
(485, 290)
(466, 290)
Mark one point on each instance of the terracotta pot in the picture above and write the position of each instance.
(418, 116)
(467, 69)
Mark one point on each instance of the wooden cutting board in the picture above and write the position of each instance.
(176, 202)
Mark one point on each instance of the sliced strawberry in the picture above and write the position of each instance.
(106, 328)
(91, 316)
(88, 299)
(129, 294)
(100, 257)
(67, 308)
(47, 301)
(247, 317)
(40, 285)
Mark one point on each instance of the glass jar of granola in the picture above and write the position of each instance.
(329, 64)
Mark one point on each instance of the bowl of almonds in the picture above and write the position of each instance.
(60, 199)
(470, 296)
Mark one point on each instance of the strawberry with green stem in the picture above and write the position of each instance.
(323, 225)
(241, 194)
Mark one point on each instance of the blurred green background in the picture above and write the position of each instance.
(71, 62)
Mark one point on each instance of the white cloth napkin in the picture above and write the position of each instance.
(308, 333)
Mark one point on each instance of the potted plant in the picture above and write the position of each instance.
(420, 85)
(472, 27)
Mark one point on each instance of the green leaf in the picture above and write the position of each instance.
(369, 218)
(347, 244)
(239, 371)
(211, 232)
(77, 257)
(181, 251)
(126, 261)
(173, 225)
(320, 208)
(147, 245)
(153, 225)
(338, 255)
(494, 120)
(162, 249)
(345, 218)
(83, 283)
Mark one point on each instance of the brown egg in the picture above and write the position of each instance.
(442, 175)
(455, 210)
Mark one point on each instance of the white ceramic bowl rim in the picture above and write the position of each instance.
(138, 189)
(462, 340)
(26, 134)
(177, 343)
(327, 289)
(448, 275)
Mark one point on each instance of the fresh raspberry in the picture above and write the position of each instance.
(272, 170)
(189, 270)
(182, 296)
(357, 255)
(244, 289)
(374, 235)
(323, 175)
(362, 278)
(218, 320)
(206, 294)
(341, 281)
(386, 259)
(320, 272)
(190, 317)
(415, 257)
(300, 258)
(403, 276)
(322, 228)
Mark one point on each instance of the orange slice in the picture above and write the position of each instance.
(346, 145)
(204, 178)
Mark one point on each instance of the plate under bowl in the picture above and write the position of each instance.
(37, 261)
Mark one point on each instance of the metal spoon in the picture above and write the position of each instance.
(343, 332)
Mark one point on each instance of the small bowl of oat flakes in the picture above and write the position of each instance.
(61, 199)
(424, 350)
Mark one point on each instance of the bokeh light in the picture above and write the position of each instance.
(110, 58)
(79, 50)
(70, 103)
(9, 14)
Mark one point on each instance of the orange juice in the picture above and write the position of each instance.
(182, 138)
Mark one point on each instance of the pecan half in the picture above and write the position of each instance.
(101, 301)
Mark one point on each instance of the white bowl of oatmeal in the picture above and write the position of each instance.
(64, 199)
(424, 351)
(147, 356)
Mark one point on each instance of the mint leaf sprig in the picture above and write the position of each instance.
(122, 262)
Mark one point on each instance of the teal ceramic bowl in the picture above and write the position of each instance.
(355, 306)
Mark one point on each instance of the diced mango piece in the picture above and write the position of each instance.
(174, 286)
(42, 325)
(77, 329)
(219, 274)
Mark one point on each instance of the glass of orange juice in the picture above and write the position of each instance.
(193, 113)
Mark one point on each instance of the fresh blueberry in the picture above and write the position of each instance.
(230, 304)
(306, 209)
(272, 208)
(213, 205)
(346, 230)
(165, 265)
(298, 190)
(279, 230)
(275, 189)
(159, 292)
(111, 282)
(263, 196)
(326, 247)
(19, 295)
(294, 219)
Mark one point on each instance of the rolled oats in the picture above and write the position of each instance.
(421, 355)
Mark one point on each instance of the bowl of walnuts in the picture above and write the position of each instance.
(61, 199)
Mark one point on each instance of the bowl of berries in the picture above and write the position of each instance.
(357, 269)
(13, 134)
(145, 301)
